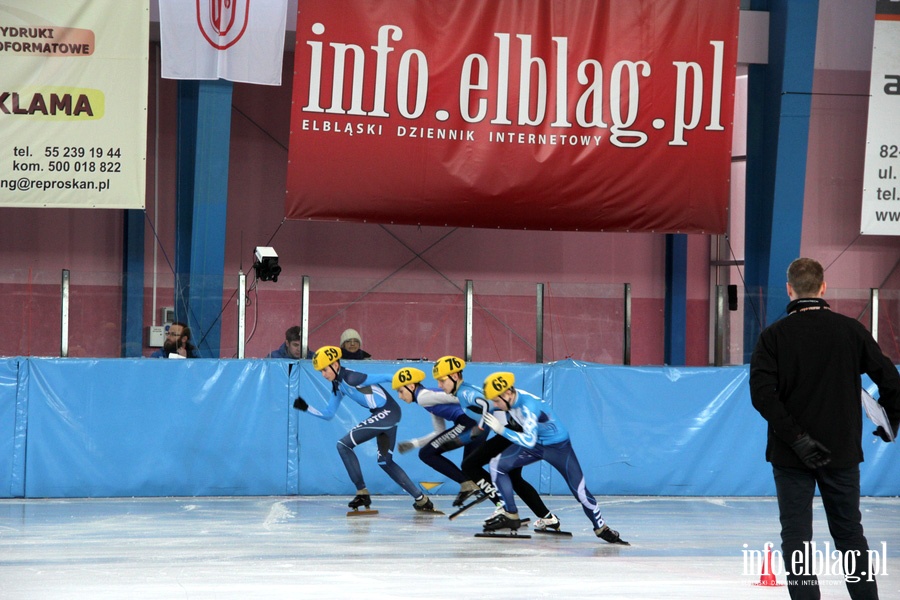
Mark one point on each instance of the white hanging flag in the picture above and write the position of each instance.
(237, 40)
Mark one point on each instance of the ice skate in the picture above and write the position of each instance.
(547, 523)
(550, 526)
(479, 498)
(362, 499)
(466, 490)
(498, 508)
(504, 525)
(425, 506)
(610, 535)
(503, 520)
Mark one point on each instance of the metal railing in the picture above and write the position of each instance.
(479, 320)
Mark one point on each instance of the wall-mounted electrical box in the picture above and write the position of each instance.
(156, 334)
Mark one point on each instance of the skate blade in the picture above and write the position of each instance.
(361, 513)
(466, 507)
(467, 498)
(436, 513)
(555, 532)
(501, 534)
(619, 542)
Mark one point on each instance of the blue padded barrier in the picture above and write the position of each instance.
(12, 432)
(141, 427)
(663, 430)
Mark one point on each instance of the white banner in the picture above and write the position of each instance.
(881, 194)
(237, 40)
(73, 103)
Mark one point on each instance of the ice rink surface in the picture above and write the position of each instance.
(306, 547)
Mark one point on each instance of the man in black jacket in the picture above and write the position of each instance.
(805, 381)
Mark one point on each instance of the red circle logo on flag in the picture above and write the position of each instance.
(222, 22)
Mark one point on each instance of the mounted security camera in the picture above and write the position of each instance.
(266, 264)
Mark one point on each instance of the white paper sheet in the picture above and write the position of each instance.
(876, 413)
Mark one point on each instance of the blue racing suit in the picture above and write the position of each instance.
(368, 392)
(536, 435)
(463, 432)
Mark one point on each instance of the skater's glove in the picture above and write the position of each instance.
(300, 404)
(494, 423)
(405, 446)
(880, 432)
(812, 453)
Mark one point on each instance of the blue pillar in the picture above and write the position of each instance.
(676, 300)
(204, 132)
(133, 285)
(779, 100)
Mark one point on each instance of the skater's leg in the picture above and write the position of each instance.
(508, 462)
(474, 444)
(473, 465)
(563, 459)
(363, 432)
(467, 487)
(528, 494)
(345, 448)
(432, 454)
(512, 459)
(386, 441)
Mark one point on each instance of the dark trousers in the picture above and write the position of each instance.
(473, 467)
(432, 454)
(839, 489)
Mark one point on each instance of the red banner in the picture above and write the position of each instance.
(592, 115)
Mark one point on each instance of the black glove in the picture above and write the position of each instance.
(880, 432)
(812, 453)
(300, 404)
